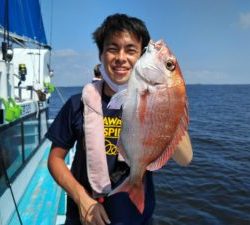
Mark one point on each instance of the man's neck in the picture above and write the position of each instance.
(107, 90)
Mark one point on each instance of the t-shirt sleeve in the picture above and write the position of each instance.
(61, 130)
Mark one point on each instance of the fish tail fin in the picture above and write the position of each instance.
(137, 196)
(135, 191)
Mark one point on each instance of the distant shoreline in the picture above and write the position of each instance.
(186, 84)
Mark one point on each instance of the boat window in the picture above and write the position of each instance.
(11, 148)
(31, 136)
(3, 183)
(18, 142)
(43, 123)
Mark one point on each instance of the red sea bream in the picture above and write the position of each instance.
(155, 116)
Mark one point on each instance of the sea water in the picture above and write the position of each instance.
(215, 188)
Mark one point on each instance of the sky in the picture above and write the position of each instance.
(210, 38)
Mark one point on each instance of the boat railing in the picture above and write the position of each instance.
(20, 91)
(19, 140)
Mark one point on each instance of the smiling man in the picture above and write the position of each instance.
(96, 169)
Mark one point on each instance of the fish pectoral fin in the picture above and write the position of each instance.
(183, 153)
(118, 100)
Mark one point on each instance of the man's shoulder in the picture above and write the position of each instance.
(76, 99)
(73, 104)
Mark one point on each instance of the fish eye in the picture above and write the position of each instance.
(170, 65)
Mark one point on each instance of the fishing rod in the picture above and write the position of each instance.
(60, 95)
(3, 168)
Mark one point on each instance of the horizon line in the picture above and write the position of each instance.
(186, 84)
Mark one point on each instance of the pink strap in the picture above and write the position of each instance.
(93, 127)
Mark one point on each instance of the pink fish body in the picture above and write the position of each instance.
(154, 117)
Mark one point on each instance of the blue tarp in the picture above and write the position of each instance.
(25, 19)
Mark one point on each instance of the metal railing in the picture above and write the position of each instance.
(19, 141)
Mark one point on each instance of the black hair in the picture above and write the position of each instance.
(120, 23)
(97, 72)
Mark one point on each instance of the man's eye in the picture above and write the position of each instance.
(132, 51)
(112, 49)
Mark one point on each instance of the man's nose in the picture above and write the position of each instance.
(121, 55)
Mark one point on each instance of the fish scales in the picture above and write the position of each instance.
(155, 117)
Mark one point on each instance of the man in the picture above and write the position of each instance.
(97, 73)
(120, 41)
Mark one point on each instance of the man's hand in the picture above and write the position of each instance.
(93, 213)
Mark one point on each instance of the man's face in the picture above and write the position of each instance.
(120, 53)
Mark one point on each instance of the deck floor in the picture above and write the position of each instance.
(40, 202)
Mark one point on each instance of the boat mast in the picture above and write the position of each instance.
(7, 51)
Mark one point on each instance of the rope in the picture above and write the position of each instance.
(60, 95)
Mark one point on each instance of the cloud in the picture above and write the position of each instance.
(65, 53)
(72, 68)
(207, 77)
(244, 20)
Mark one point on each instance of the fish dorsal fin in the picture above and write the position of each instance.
(177, 138)
(118, 99)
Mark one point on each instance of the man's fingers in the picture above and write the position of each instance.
(97, 215)
(104, 215)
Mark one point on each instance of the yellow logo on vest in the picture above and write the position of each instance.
(112, 129)
(111, 149)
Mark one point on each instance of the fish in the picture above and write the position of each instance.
(154, 117)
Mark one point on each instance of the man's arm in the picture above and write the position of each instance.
(75, 190)
(183, 153)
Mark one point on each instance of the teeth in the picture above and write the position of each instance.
(120, 70)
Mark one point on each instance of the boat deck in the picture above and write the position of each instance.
(43, 199)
